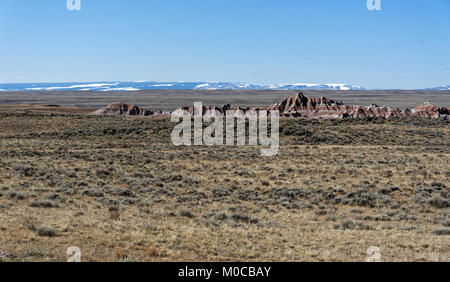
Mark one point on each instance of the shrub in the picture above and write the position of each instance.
(186, 213)
(51, 196)
(442, 231)
(46, 231)
(42, 204)
(353, 225)
(439, 202)
(222, 216)
(25, 171)
(17, 195)
(243, 218)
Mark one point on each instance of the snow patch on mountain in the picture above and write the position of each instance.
(331, 86)
(148, 85)
(445, 87)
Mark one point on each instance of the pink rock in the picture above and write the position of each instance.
(122, 109)
(296, 106)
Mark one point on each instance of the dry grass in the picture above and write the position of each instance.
(117, 188)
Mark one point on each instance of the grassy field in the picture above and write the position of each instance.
(119, 190)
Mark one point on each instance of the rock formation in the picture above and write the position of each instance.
(122, 109)
(309, 107)
(297, 106)
(429, 111)
(300, 106)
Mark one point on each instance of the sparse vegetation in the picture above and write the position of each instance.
(117, 188)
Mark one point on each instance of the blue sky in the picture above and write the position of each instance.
(405, 45)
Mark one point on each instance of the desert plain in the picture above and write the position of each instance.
(119, 190)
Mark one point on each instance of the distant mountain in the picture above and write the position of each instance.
(147, 85)
(445, 87)
(296, 86)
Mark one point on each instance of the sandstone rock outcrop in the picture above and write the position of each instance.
(322, 107)
(300, 106)
(429, 111)
(122, 109)
(296, 106)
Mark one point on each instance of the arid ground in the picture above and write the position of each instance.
(119, 190)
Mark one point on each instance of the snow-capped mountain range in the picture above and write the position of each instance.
(147, 85)
(445, 87)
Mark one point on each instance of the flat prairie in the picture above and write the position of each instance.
(118, 189)
(168, 100)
